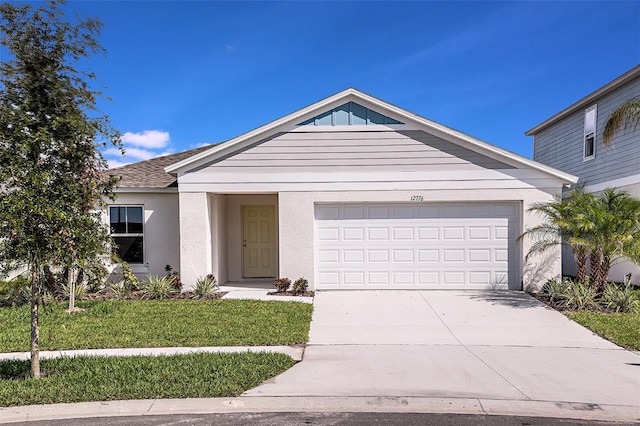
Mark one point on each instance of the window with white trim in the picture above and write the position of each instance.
(127, 230)
(590, 116)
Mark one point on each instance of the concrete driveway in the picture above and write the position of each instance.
(455, 344)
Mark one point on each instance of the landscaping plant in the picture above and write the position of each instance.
(15, 292)
(300, 285)
(282, 284)
(176, 282)
(620, 298)
(158, 288)
(205, 286)
(119, 290)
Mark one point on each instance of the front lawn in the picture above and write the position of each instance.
(621, 329)
(198, 375)
(162, 323)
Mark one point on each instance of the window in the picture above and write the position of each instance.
(127, 231)
(590, 115)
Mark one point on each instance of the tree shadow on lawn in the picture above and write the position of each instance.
(15, 370)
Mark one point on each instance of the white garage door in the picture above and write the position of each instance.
(378, 246)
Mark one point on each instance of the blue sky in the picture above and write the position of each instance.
(186, 73)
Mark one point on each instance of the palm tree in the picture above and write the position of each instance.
(565, 224)
(604, 229)
(613, 232)
(625, 116)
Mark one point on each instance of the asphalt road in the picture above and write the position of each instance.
(318, 419)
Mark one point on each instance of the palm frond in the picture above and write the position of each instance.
(623, 117)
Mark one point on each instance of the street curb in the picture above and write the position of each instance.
(295, 352)
(244, 404)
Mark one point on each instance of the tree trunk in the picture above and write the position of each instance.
(599, 266)
(581, 260)
(594, 269)
(35, 333)
(72, 290)
(605, 267)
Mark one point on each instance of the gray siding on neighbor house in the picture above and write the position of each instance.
(354, 151)
(561, 144)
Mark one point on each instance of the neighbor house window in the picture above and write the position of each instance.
(590, 116)
(127, 231)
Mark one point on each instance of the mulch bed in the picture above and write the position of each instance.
(291, 293)
(138, 295)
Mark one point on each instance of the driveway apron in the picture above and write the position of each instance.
(460, 344)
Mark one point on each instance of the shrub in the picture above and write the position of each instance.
(205, 287)
(300, 285)
(15, 292)
(130, 280)
(176, 282)
(158, 287)
(556, 291)
(282, 284)
(580, 296)
(81, 290)
(119, 290)
(620, 298)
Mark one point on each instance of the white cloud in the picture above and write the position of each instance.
(139, 147)
(150, 139)
(139, 154)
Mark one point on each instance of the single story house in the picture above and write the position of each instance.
(351, 193)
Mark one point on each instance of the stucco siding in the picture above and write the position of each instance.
(561, 144)
(161, 231)
(316, 151)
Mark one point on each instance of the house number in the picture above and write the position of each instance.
(417, 198)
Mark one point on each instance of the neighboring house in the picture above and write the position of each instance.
(350, 193)
(572, 141)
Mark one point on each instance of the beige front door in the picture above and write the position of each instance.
(259, 249)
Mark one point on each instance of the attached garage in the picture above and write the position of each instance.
(416, 246)
(364, 195)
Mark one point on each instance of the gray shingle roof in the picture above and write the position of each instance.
(150, 173)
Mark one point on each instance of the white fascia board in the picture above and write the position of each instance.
(290, 121)
(172, 190)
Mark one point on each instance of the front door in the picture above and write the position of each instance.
(258, 242)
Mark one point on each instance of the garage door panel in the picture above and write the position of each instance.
(415, 246)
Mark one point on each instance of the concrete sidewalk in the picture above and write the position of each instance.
(294, 352)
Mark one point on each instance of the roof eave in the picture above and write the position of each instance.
(607, 88)
(424, 122)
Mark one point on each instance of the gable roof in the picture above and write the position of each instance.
(150, 173)
(587, 100)
(292, 121)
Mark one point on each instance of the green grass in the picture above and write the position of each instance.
(125, 324)
(621, 329)
(101, 379)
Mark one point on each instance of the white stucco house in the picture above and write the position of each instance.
(351, 193)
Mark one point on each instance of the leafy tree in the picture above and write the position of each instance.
(625, 116)
(52, 174)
